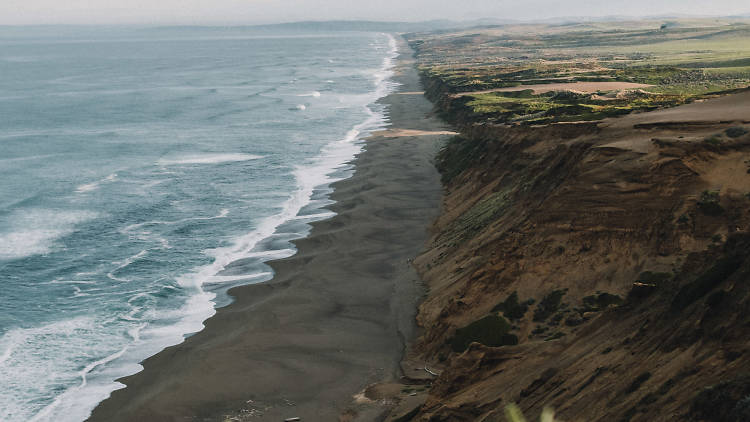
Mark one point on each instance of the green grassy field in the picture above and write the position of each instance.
(682, 61)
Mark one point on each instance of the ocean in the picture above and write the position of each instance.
(145, 171)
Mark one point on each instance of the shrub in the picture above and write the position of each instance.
(728, 401)
(458, 155)
(713, 140)
(491, 331)
(709, 203)
(735, 132)
(716, 298)
(511, 308)
(573, 320)
(555, 320)
(741, 411)
(650, 277)
(548, 305)
(600, 301)
(539, 329)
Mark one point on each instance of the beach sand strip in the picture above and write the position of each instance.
(336, 317)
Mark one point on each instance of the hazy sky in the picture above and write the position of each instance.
(264, 11)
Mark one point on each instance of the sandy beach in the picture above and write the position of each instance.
(336, 317)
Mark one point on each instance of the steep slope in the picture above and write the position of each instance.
(601, 269)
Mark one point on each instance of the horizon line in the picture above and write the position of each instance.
(498, 21)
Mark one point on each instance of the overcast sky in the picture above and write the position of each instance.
(266, 11)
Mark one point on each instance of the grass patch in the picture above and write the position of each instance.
(510, 106)
(481, 214)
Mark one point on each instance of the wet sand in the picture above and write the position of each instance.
(335, 318)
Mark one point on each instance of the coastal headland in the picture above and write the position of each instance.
(593, 252)
(589, 248)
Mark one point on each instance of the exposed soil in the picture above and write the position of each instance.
(617, 252)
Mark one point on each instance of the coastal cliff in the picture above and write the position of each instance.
(597, 267)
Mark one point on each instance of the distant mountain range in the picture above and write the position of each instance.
(365, 25)
(432, 25)
(382, 26)
(354, 25)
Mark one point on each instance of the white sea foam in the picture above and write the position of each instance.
(316, 216)
(88, 187)
(6, 353)
(125, 263)
(25, 370)
(315, 94)
(207, 159)
(71, 402)
(221, 279)
(58, 281)
(223, 213)
(78, 293)
(27, 158)
(34, 231)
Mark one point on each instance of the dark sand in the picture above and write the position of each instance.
(337, 315)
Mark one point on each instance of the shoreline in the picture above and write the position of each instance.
(336, 317)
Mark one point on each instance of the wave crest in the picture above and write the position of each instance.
(207, 159)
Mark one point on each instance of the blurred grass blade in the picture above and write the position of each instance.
(513, 413)
(548, 415)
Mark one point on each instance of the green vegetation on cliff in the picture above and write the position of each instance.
(491, 331)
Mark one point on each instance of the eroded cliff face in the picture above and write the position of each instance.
(599, 268)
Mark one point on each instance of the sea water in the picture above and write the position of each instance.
(143, 172)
